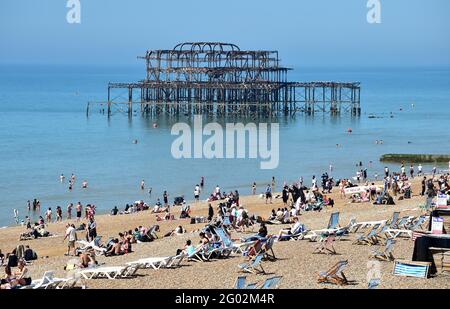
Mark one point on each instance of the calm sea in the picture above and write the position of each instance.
(44, 132)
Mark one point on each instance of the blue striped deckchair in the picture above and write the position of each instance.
(411, 269)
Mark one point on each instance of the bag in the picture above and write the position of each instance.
(192, 220)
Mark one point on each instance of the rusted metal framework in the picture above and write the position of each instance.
(221, 79)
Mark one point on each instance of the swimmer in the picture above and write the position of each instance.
(84, 185)
(62, 177)
(142, 184)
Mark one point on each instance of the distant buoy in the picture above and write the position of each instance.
(155, 125)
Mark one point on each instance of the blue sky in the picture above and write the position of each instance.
(306, 32)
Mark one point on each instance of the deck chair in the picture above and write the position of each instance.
(326, 246)
(373, 284)
(240, 282)
(368, 238)
(417, 223)
(271, 283)
(228, 244)
(333, 227)
(197, 255)
(253, 266)
(408, 227)
(386, 253)
(335, 274)
(268, 249)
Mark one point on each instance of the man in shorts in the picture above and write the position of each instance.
(71, 236)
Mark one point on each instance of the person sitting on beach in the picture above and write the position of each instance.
(115, 248)
(7, 280)
(273, 215)
(292, 230)
(187, 249)
(29, 254)
(22, 276)
(157, 207)
(87, 259)
(12, 258)
(176, 232)
(114, 211)
(151, 233)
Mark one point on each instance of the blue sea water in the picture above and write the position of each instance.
(44, 132)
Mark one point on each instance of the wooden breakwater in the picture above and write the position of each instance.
(415, 158)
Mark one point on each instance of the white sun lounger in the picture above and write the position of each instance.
(48, 281)
(110, 272)
(153, 262)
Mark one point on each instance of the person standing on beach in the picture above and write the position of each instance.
(254, 188)
(411, 171)
(71, 236)
(386, 171)
(269, 194)
(273, 183)
(434, 171)
(314, 181)
(419, 170)
(424, 185)
(210, 212)
(69, 211)
(142, 185)
(92, 229)
(79, 209)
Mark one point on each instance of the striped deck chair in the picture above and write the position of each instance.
(335, 274)
(386, 253)
(253, 266)
(326, 246)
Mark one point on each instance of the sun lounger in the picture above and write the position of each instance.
(254, 266)
(386, 253)
(356, 226)
(153, 262)
(228, 244)
(48, 281)
(109, 272)
(335, 274)
(333, 227)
